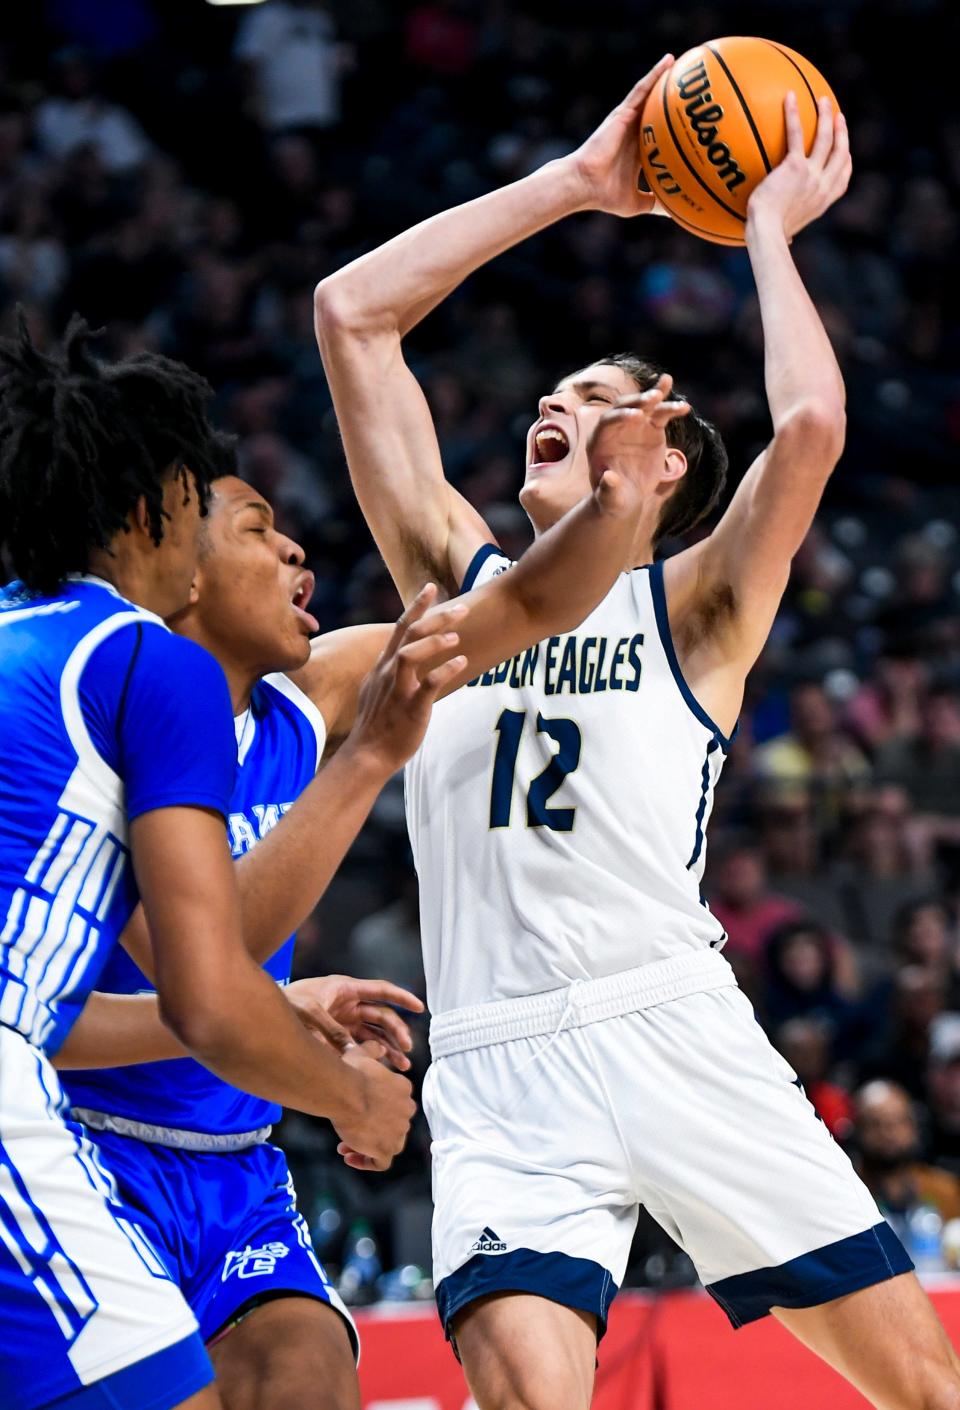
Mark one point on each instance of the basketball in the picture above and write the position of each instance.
(713, 127)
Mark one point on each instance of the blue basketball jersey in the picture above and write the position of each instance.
(280, 743)
(106, 715)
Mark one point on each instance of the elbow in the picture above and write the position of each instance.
(340, 316)
(818, 429)
(205, 1030)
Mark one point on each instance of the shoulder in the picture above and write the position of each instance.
(281, 692)
(338, 663)
(488, 562)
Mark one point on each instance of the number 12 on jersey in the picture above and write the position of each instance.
(567, 736)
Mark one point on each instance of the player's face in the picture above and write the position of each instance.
(252, 589)
(558, 472)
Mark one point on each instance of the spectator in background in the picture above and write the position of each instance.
(887, 706)
(900, 1012)
(943, 1091)
(887, 1153)
(295, 61)
(802, 981)
(79, 117)
(923, 936)
(927, 765)
(741, 899)
(806, 1043)
(815, 758)
(883, 868)
(794, 852)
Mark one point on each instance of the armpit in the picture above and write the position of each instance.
(714, 611)
(419, 556)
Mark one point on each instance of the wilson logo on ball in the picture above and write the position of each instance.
(704, 115)
(712, 128)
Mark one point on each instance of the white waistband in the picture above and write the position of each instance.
(170, 1136)
(580, 1003)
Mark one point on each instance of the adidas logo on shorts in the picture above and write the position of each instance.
(488, 1242)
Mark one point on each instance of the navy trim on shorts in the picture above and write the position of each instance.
(573, 1282)
(813, 1278)
(485, 551)
(158, 1382)
(663, 627)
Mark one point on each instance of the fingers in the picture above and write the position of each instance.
(825, 134)
(319, 1021)
(839, 165)
(381, 991)
(373, 1050)
(437, 646)
(424, 599)
(638, 93)
(436, 681)
(396, 1057)
(791, 114)
(394, 1029)
(439, 619)
(356, 1161)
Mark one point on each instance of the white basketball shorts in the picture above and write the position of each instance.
(91, 1319)
(555, 1117)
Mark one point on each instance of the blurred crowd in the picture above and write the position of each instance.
(183, 175)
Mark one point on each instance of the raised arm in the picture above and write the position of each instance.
(423, 527)
(725, 592)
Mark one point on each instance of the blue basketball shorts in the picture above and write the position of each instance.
(89, 1317)
(225, 1224)
(554, 1118)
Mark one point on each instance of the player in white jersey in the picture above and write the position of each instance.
(591, 1049)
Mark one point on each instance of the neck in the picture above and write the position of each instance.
(641, 550)
(241, 678)
(130, 576)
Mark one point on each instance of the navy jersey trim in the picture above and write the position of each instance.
(573, 1282)
(702, 808)
(856, 1262)
(122, 703)
(485, 551)
(663, 627)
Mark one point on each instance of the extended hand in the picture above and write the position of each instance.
(608, 163)
(627, 447)
(344, 1010)
(374, 1134)
(801, 188)
(396, 698)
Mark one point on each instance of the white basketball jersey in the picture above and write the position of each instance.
(558, 807)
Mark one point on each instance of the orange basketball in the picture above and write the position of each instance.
(713, 127)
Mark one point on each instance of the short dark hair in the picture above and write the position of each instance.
(700, 489)
(81, 441)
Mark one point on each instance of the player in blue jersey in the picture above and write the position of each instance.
(117, 763)
(189, 1152)
(591, 1050)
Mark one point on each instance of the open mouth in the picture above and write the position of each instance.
(300, 599)
(551, 445)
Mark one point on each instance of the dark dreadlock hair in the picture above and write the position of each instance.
(81, 441)
(701, 487)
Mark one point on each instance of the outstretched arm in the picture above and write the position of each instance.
(736, 577)
(423, 527)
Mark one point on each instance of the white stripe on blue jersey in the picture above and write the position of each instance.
(68, 667)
